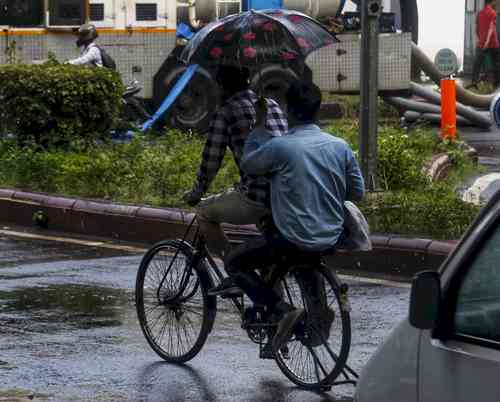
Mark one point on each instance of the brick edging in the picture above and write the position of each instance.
(393, 255)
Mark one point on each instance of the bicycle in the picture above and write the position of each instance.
(176, 314)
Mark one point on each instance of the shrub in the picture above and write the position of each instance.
(401, 155)
(54, 104)
(147, 170)
(437, 212)
(157, 170)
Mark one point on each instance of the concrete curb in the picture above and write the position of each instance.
(392, 256)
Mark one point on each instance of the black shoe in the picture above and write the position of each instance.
(285, 328)
(267, 352)
(319, 326)
(226, 288)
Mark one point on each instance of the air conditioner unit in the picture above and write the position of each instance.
(148, 13)
(102, 13)
(66, 13)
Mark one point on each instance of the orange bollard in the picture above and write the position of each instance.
(448, 109)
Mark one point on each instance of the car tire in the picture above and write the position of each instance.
(195, 106)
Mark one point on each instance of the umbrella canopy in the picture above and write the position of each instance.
(253, 37)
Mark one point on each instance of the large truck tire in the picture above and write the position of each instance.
(195, 106)
(273, 82)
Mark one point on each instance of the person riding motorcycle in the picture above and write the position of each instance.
(90, 54)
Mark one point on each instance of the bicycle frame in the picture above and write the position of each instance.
(258, 331)
(201, 253)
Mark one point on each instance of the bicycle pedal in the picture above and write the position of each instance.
(232, 294)
(266, 354)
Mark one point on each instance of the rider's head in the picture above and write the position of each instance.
(233, 79)
(87, 33)
(303, 101)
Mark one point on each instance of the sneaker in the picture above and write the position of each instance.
(285, 328)
(227, 288)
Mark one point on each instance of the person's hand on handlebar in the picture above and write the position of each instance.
(191, 197)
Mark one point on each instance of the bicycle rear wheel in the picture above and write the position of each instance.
(317, 352)
(175, 313)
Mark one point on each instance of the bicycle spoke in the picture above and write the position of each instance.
(318, 355)
(192, 310)
(317, 361)
(171, 304)
(326, 344)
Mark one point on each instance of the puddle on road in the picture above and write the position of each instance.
(60, 307)
(21, 395)
(20, 251)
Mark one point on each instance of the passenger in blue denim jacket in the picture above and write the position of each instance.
(312, 174)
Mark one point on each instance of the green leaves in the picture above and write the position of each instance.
(410, 204)
(436, 213)
(54, 104)
(158, 168)
(148, 170)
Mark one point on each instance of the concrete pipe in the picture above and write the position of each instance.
(207, 9)
(465, 111)
(314, 8)
(412, 116)
(464, 96)
(407, 104)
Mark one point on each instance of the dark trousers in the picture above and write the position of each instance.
(479, 61)
(261, 252)
(255, 254)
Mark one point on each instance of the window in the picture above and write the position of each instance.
(21, 13)
(146, 12)
(96, 11)
(66, 12)
(477, 311)
(150, 13)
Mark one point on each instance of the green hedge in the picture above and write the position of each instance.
(54, 104)
(155, 171)
(158, 170)
(436, 212)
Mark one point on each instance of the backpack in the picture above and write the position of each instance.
(107, 60)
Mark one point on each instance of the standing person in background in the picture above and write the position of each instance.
(488, 44)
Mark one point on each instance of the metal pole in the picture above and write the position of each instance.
(370, 12)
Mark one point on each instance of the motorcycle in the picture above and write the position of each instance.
(134, 111)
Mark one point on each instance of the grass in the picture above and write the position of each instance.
(157, 169)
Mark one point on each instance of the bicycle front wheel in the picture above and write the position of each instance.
(175, 313)
(317, 352)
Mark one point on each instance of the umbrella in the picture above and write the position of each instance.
(254, 37)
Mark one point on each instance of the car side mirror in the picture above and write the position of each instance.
(425, 300)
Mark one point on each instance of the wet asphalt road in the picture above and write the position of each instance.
(68, 331)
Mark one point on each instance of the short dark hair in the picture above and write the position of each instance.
(489, 1)
(232, 78)
(303, 100)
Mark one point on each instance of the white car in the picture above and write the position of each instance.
(449, 348)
